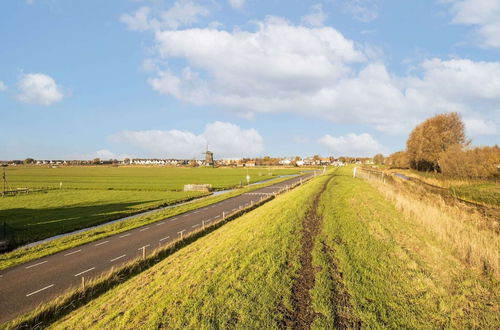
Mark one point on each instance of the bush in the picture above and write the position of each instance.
(480, 162)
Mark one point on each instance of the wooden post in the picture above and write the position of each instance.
(83, 283)
(144, 252)
(223, 215)
(203, 224)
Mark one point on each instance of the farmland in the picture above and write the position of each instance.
(135, 178)
(486, 192)
(363, 261)
(92, 195)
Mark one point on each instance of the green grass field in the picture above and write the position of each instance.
(94, 195)
(135, 178)
(486, 192)
(374, 268)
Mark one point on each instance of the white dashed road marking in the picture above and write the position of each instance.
(101, 243)
(31, 266)
(124, 255)
(68, 254)
(48, 286)
(85, 271)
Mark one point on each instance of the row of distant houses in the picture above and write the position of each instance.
(193, 162)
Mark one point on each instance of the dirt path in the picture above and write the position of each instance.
(302, 316)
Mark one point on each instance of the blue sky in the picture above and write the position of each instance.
(110, 79)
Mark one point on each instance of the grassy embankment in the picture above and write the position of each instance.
(95, 195)
(26, 254)
(486, 192)
(400, 266)
(240, 274)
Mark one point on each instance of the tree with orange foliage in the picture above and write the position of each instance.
(433, 137)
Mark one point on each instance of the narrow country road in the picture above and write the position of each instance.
(24, 287)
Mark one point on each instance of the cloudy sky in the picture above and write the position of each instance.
(162, 78)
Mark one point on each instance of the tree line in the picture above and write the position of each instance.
(439, 144)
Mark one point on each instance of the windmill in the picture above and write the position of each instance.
(209, 157)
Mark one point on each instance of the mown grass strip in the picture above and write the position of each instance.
(237, 276)
(27, 254)
(392, 271)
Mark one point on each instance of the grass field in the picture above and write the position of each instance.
(374, 267)
(485, 192)
(94, 195)
(136, 178)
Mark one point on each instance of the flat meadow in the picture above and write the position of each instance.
(71, 198)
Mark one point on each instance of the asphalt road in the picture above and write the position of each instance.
(26, 286)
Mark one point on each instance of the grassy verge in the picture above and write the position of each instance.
(380, 268)
(27, 254)
(33, 217)
(237, 276)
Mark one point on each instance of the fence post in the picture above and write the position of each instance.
(83, 283)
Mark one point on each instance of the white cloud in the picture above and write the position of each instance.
(315, 72)
(182, 13)
(362, 145)
(3, 87)
(224, 139)
(316, 18)
(237, 4)
(483, 14)
(39, 88)
(362, 10)
(138, 21)
(479, 126)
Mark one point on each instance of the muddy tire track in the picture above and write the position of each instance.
(303, 315)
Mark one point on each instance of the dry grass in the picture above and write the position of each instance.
(473, 236)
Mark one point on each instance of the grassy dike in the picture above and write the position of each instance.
(27, 254)
(379, 269)
(238, 275)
